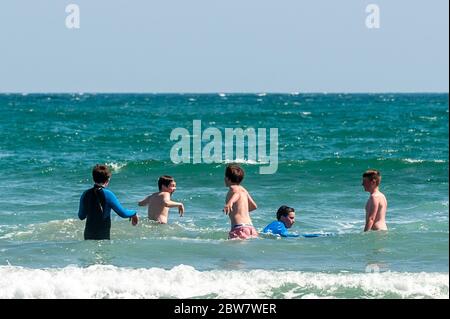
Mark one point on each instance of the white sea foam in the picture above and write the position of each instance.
(409, 160)
(16, 234)
(116, 167)
(244, 161)
(389, 151)
(428, 118)
(7, 154)
(104, 281)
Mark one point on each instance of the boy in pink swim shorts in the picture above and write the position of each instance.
(238, 205)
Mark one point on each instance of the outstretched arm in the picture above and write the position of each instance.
(170, 204)
(145, 201)
(371, 213)
(229, 205)
(112, 200)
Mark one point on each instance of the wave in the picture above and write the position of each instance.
(72, 229)
(149, 165)
(410, 160)
(388, 162)
(6, 154)
(182, 281)
(115, 167)
(244, 161)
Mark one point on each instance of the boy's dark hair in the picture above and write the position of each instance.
(165, 180)
(373, 174)
(234, 173)
(101, 174)
(284, 211)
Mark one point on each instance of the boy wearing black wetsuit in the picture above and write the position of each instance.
(96, 204)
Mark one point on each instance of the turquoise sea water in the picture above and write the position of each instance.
(49, 143)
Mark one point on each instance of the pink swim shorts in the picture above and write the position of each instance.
(242, 231)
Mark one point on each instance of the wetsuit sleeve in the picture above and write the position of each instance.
(292, 235)
(266, 229)
(283, 232)
(82, 213)
(270, 229)
(112, 200)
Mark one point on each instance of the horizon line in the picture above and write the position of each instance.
(224, 92)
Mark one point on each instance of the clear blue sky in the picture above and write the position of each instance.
(224, 46)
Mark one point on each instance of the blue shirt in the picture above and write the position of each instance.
(278, 228)
(111, 201)
(95, 206)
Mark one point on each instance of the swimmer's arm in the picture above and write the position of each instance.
(292, 235)
(112, 200)
(284, 232)
(229, 205)
(170, 204)
(251, 203)
(371, 213)
(82, 213)
(145, 201)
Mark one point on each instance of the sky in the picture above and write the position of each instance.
(211, 46)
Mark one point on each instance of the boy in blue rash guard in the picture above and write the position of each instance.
(96, 204)
(285, 220)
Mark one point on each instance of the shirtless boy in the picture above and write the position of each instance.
(376, 206)
(238, 205)
(160, 202)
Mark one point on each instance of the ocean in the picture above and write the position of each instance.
(50, 142)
